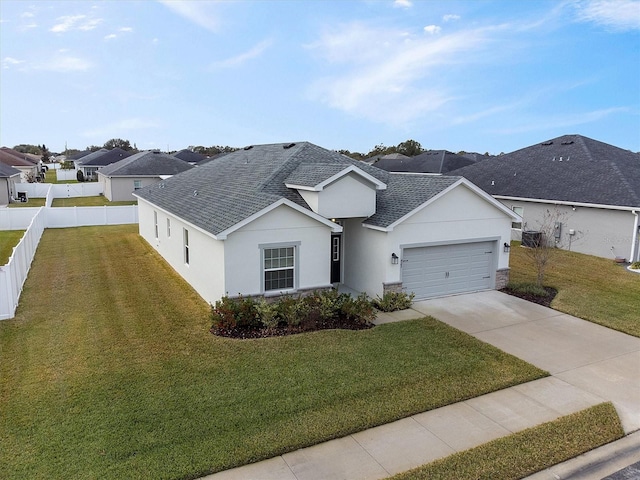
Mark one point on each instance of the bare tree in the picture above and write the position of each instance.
(543, 242)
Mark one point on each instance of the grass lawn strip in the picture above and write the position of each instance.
(8, 241)
(109, 371)
(529, 451)
(95, 201)
(33, 202)
(593, 288)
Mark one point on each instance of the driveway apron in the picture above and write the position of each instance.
(591, 357)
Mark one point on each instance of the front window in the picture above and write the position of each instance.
(279, 268)
(137, 184)
(519, 211)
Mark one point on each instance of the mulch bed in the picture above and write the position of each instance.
(546, 301)
(311, 325)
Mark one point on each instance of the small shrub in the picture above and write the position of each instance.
(268, 313)
(527, 288)
(229, 313)
(359, 310)
(223, 314)
(326, 304)
(393, 301)
(635, 265)
(292, 310)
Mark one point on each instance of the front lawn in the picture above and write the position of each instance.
(109, 371)
(96, 201)
(8, 240)
(593, 288)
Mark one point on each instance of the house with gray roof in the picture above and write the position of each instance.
(91, 163)
(591, 187)
(430, 161)
(28, 170)
(124, 177)
(9, 176)
(189, 156)
(287, 218)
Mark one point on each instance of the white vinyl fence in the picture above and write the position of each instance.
(64, 174)
(36, 219)
(14, 273)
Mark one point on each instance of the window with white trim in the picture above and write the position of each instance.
(519, 211)
(155, 223)
(168, 228)
(185, 236)
(279, 266)
(137, 184)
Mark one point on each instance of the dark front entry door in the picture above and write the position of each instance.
(336, 255)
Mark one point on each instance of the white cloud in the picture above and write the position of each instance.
(126, 29)
(390, 76)
(27, 15)
(432, 29)
(450, 18)
(238, 60)
(615, 14)
(198, 12)
(402, 3)
(75, 22)
(561, 122)
(110, 36)
(62, 62)
(8, 62)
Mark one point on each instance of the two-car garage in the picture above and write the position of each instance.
(434, 271)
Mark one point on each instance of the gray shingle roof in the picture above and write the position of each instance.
(189, 156)
(218, 195)
(7, 171)
(570, 168)
(431, 161)
(146, 163)
(103, 157)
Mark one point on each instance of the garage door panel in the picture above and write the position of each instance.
(448, 269)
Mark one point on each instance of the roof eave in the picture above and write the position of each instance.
(569, 203)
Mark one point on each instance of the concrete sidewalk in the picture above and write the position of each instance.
(589, 364)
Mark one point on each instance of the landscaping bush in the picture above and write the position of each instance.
(249, 318)
(393, 301)
(635, 265)
(527, 288)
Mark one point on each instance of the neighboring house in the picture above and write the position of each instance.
(28, 170)
(91, 163)
(593, 188)
(188, 156)
(430, 161)
(8, 178)
(122, 178)
(288, 218)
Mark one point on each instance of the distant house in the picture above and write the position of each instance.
(593, 188)
(130, 174)
(287, 218)
(430, 161)
(189, 156)
(29, 171)
(9, 176)
(94, 161)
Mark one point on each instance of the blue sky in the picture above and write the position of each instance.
(459, 75)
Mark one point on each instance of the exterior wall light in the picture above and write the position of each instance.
(507, 247)
(394, 259)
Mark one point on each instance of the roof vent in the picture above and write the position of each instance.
(249, 147)
(547, 143)
(195, 193)
(286, 147)
(568, 142)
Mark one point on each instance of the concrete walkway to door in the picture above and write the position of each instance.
(589, 364)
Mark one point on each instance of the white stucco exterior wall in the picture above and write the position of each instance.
(118, 189)
(600, 232)
(205, 271)
(281, 226)
(460, 216)
(349, 196)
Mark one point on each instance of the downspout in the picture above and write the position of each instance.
(634, 239)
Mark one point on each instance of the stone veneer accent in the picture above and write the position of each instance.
(392, 287)
(502, 278)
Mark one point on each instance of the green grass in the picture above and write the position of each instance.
(8, 240)
(96, 201)
(33, 202)
(109, 371)
(593, 288)
(524, 453)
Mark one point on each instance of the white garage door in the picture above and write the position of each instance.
(448, 269)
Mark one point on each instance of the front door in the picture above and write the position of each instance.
(336, 255)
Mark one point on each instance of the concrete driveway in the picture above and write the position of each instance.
(593, 358)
